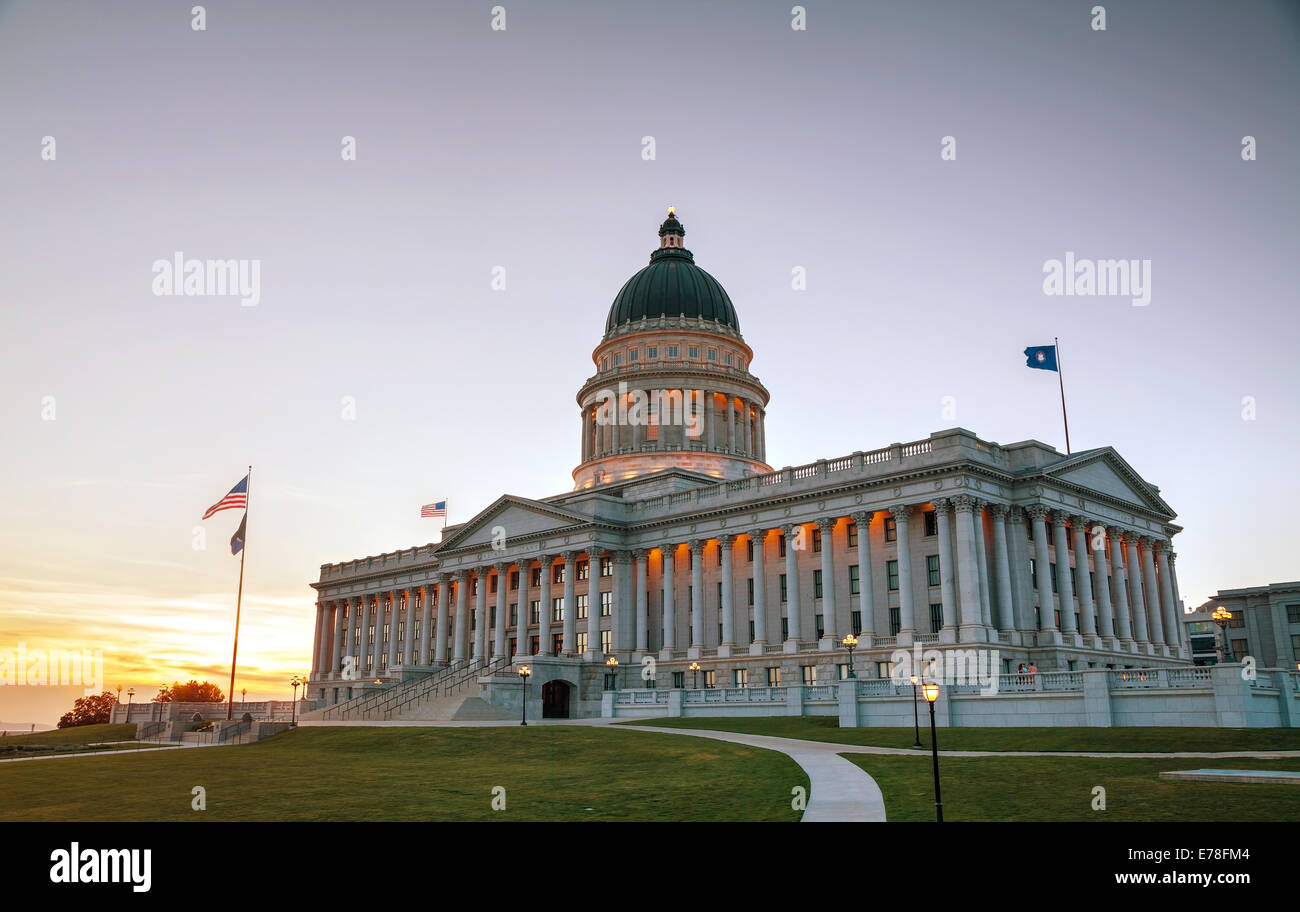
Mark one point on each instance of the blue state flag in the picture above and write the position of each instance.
(1041, 357)
(237, 540)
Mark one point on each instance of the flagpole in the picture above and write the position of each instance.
(1060, 376)
(239, 596)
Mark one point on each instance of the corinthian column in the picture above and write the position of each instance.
(593, 652)
(1048, 632)
(727, 606)
(830, 630)
(408, 643)
(1122, 614)
(670, 607)
(1136, 599)
(971, 630)
(1168, 608)
(866, 593)
(1086, 609)
(461, 621)
(544, 609)
(1002, 566)
(697, 598)
(947, 568)
(1156, 623)
(440, 635)
(363, 652)
(1105, 614)
(642, 603)
(793, 618)
(503, 584)
(570, 624)
(906, 615)
(1063, 581)
(758, 538)
(340, 637)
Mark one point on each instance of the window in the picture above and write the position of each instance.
(884, 669)
(856, 622)
(894, 622)
(652, 352)
(749, 550)
(611, 681)
(1238, 650)
(607, 641)
(817, 541)
(534, 612)
(785, 629)
(580, 607)
(751, 591)
(606, 566)
(580, 642)
(821, 626)
(891, 529)
(1293, 614)
(932, 569)
(492, 584)
(514, 614)
(650, 683)
(514, 579)
(843, 671)
(1295, 645)
(632, 355)
(807, 671)
(719, 554)
(891, 573)
(1092, 582)
(783, 592)
(679, 679)
(751, 631)
(852, 530)
(781, 545)
(931, 523)
(557, 609)
(713, 354)
(672, 351)
(936, 617)
(1033, 572)
(533, 642)
(606, 604)
(583, 571)
(618, 359)
(473, 586)
(535, 576)
(774, 677)
(1074, 580)
(387, 626)
(557, 644)
(1238, 619)
(604, 365)
(1051, 569)
(692, 352)
(710, 679)
(557, 573)
(416, 630)
(854, 585)
(739, 677)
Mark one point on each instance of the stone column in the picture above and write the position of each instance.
(521, 608)
(340, 636)
(1173, 584)
(669, 606)
(793, 614)
(318, 641)
(544, 608)
(1122, 615)
(748, 447)
(1136, 599)
(727, 603)
(393, 615)
(1048, 632)
(379, 631)
(408, 641)
(499, 647)
(622, 606)
(440, 634)
(1086, 608)
(640, 556)
(481, 618)
(570, 626)
(461, 621)
(426, 623)
(593, 652)
(1002, 560)
(866, 594)
(1156, 623)
(947, 567)
(759, 538)
(1064, 584)
(1105, 615)
(697, 597)
(982, 569)
(906, 609)
(971, 630)
(731, 424)
(830, 630)
(706, 432)
(1167, 605)
(363, 648)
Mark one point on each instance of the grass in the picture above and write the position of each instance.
(76, 740)
(354, 774)
(1135, 739)
(1061, 789)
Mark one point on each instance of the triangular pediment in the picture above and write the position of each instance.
(519, 517)
(1105, 471)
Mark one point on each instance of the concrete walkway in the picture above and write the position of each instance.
(107, 753)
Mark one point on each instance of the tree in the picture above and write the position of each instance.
(193, 692)
(93, 710)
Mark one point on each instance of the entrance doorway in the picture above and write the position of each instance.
(555, 700)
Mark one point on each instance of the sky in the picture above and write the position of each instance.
(521, 154)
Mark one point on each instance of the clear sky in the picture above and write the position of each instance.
(523, 149)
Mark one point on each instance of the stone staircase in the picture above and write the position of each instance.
(447, 694)
(462, 708)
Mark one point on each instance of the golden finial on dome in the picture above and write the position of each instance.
(671, 210)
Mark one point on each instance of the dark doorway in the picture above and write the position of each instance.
(555, 700)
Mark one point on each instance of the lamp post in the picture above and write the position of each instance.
(931, 692)
(293, 707)
(1221, 617)
(612, 664)
(130, 695)
(524, 672)
(851, 642)
(243, 697)
(695, 675)
(916, 722)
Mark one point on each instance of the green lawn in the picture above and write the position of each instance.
(826, 728)
(352, 774)
(66, 741)
(1061, 789)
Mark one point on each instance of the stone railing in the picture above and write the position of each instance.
(813, 693)
(1147, 678)
(647, 697)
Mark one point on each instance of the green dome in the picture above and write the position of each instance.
(672, 286)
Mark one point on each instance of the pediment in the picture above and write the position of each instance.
(519, 517)
(1105, 472)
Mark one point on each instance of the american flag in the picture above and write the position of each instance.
(434, 509)
(237, 499)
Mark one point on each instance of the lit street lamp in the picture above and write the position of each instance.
(524, 672)
(695, 675)
(130, 695)
(1221, 617)
(916, 724)
(293, 708)
(612, 664)
(931, 692)
(851, 641)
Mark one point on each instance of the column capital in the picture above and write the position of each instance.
(546, 559)
(669, 549)
(1036, 512)
(900, 511)
(999, 510)
(964, 503)
(1147, 542)
(502, 568)
(569, 556)
(1115, 534)
(620, 556)
(862, 518)
(790, 530)
(1078, 520)
(697, 546)
(757, 535)
(461, 575)
(726, 540)
(639, 554)
(1059, 518)
(1172, 554)
(524, 562)
(941, 505)
(827, 523)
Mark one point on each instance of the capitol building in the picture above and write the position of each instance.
(685, 558)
